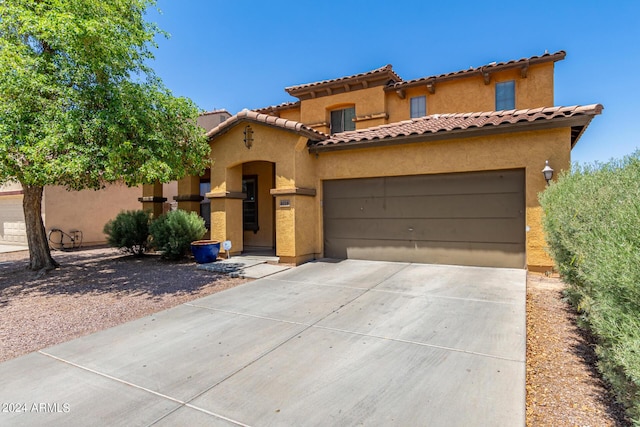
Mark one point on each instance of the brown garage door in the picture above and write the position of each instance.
(463, 218)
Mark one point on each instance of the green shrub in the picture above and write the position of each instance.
(592, 224)
(173, 233)
(129, 231)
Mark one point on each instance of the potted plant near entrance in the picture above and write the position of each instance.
(205, 251)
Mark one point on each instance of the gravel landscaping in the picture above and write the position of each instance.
(99, 288)
(94, 290)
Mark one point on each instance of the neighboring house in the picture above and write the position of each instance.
(12, 228)
(440, 169)
(86, 210)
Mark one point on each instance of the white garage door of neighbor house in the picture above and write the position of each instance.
(471, 218)
(12, 226)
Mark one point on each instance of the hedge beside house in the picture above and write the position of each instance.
(592, 225)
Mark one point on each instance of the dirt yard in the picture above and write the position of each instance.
(93, 290)
(564, 387)
(99, 288)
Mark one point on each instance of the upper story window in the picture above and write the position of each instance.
(418, 106)
(506, 95)
(342, 120)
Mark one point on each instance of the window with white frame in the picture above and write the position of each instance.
(343, 120)
(506, 95)
(418, 106)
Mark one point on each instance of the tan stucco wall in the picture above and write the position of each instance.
(527, 150)
(462, 95)
(87, 210)
(294, 167)
(291, 114)
(367, 102)
(169, 191)
(470, 95)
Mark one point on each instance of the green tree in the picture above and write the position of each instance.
(80, 107)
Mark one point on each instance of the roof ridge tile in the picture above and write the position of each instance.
(266, 119)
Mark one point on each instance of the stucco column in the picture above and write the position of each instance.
(152, 199)
(296, 237)
(226, 219)
(189, 197)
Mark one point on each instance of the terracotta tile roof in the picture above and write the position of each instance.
(444, 126)
(378, 77)
(484, 70)
(273, 108)
(217, 111)
(252, 116)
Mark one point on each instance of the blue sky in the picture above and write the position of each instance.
(242, 54)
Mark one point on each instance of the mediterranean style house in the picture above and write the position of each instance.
(441, 169)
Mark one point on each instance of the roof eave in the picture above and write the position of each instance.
(479, 71)
(271, 121)
(379, 77)
(572, 122)
(277, 108)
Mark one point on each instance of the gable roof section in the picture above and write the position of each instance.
(449, 126)
(485, 71)
(382, 76)
(385, 76)
(265, 119)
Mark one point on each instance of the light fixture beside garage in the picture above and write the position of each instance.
(547, 172)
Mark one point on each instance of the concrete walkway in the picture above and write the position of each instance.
(246, 266)
(326, 343)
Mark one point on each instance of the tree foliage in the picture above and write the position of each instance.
(80, 107)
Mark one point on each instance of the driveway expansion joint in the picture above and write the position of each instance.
(145, 389)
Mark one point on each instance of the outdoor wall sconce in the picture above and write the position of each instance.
(248, 136)
(547, 172)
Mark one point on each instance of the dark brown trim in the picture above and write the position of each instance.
(152, 199)
(188, 198)
(293, 192)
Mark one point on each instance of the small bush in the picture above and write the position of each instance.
(173, 233)
(592, 225)
(129, 231)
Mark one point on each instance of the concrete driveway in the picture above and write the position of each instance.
(327, 343)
